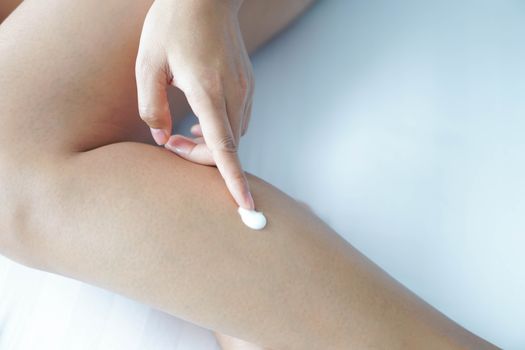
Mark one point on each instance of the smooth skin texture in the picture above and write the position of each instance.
(259, 20)
(85, 197)
(197, 46)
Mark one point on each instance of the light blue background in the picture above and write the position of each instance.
(402, 123)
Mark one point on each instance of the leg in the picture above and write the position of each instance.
(182, 249)
(103, 64)
(259, 21)
(6, 7)
(227, 342)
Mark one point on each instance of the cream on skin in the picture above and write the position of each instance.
(252, 218)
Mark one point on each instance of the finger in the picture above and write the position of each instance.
(220, 139)
(246, 121)
(235, 112)
(237, 96)
(192, 150)
(196, 130)
(199, 140)
(249, 100)
(153, 100)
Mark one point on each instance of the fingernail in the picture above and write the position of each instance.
(160, 136)
(180, 145)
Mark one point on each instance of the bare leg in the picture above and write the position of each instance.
(260, 20)
(138, 220)
(227, 342)
(6, 7)
(113, 46)
(183, 249)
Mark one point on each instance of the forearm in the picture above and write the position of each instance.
(140, 221)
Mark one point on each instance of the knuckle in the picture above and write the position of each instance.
(238, 178)
(148, 68)
(244, 84)
(206, 92)
(151, 116)
(212, 84)
(226, 144)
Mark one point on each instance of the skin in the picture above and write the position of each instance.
(259, 21)
(227, 342)
(87, 198)
(197, 46)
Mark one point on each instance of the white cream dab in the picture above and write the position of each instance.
(253, 219)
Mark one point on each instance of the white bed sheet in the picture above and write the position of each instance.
(402, 125)
(39, 310)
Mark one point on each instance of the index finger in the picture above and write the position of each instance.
(217, 133)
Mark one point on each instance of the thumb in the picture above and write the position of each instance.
(154, 110)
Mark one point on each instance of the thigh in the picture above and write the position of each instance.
(67, 68)
(6, 6)
(67, 77)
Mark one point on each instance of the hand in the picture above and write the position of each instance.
(197, 46)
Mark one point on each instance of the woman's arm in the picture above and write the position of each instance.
(141, 221)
